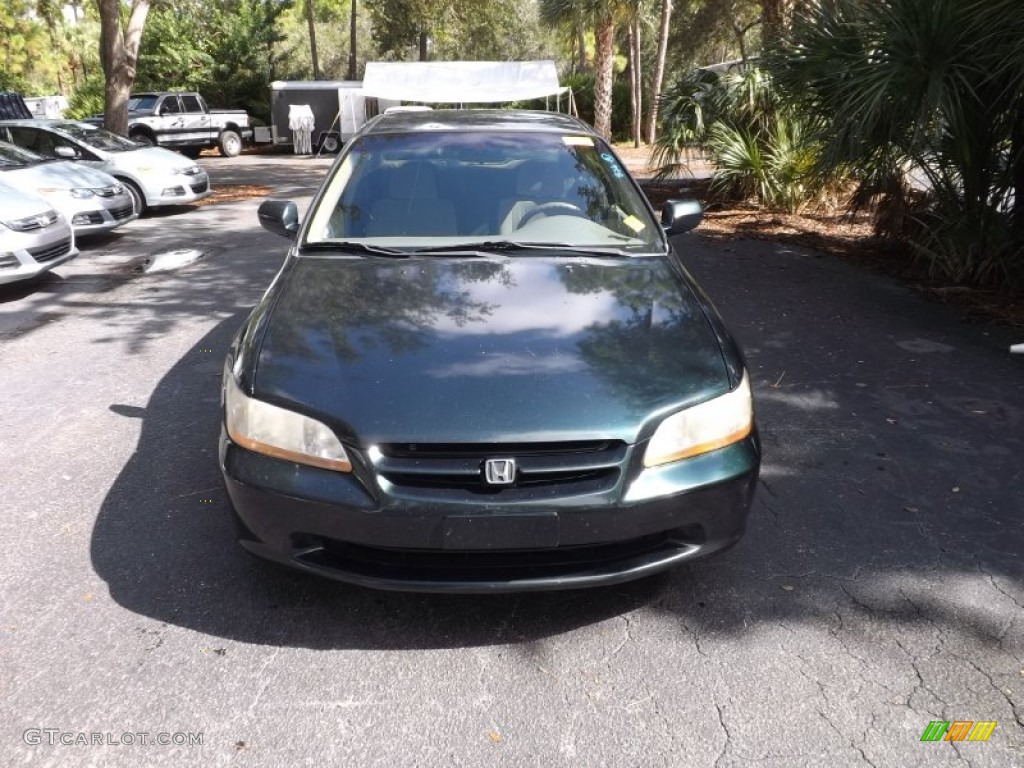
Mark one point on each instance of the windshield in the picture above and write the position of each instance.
(98, 138)
(429, 190)
(142, 103)
(16, 157)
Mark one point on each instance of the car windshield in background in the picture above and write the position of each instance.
(98, 138)
(16, 157)
(142, 103)
(431, 189)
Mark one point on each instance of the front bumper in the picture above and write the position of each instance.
(177, 189)
(34, 262)
(339, 526)
(93, 215)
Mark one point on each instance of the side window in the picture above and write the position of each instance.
(190, 104)
(170, 106)
(30, 138)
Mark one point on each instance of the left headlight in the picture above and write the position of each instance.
(79, 193)
(283, 434)
(706, 427)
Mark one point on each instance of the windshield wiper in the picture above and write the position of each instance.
(353, 247)
(485, 246)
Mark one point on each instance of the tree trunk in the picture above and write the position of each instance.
(771, 18)
(423, 46)
(741, 33)
(1017, 174)
(635, 80)
(119, 50)
(581, 47)
(659, 71)
(312, 39)
(352, 43)
(603, 64)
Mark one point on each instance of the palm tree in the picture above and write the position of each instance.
(603, 16)
(933, 87)
(659, 71)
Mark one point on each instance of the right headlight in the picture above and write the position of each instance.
(706, 427)
(278, 432)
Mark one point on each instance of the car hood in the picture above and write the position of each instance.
(480, 350)
(16, 203)
(148, 158)
(61, 175)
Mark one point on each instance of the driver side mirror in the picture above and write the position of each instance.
(280, 217)
(65, 152)
(678, 216)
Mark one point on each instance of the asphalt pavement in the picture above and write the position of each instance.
(880, 586)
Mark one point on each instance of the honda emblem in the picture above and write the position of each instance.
(500, 471)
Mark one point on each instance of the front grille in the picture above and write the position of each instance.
(51, 251)
(201, 187)
(123, 212)
(544, 470)
(485, 565)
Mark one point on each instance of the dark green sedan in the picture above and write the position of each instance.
(483, 368)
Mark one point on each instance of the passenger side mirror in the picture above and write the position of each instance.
(280, 217)
(678, 216)
(68, 153)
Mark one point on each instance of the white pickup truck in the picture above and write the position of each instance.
(182, 121)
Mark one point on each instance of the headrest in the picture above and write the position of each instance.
(538, 180)
(414, 179)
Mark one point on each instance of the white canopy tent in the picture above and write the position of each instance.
(462, 82)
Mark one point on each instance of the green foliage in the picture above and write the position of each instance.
(931, 90)
(27, 60)
(708, 31)
(223, 50)
(759, 145)
(498, 30)
(582, 84)
(87, 98)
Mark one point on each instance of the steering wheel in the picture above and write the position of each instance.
(549, 209)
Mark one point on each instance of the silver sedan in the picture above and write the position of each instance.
(34, 238)
(91, 200)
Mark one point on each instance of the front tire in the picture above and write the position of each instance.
(138, 199)
(230, 144)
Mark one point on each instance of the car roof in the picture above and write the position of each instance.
(41, 122)
(473, 120)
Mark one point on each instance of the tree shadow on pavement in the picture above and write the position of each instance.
(890, 498)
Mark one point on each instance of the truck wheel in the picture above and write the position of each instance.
(331, 144)
(143, 138)
(230, 144)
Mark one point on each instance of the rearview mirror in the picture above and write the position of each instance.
(280, 217)
(68, 153)
(678, 216)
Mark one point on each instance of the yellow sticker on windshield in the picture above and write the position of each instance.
(633, 223)
(578, 141)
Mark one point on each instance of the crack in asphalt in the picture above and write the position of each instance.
(725, 731)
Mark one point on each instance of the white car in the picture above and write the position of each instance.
(93, 201)
(153, 176)
(34, 238)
